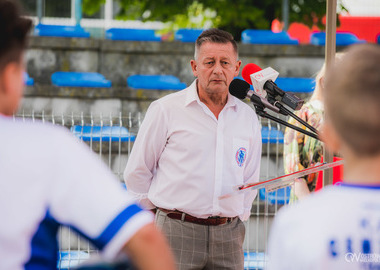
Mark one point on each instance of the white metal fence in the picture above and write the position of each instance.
(112, 137)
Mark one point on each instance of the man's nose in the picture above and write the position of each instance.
(218, 68)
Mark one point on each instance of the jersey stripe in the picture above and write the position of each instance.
(116, 224)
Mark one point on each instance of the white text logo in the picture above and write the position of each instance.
(360, 257)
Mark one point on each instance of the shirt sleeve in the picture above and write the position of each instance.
(146, 151)
(252, 170)
(85, 194)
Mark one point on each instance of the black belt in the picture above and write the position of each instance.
(211, 221)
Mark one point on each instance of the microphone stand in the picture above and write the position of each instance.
(260, 111)
(285, 111)
(283, 108)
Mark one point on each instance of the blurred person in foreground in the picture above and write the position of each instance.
(48, 178)
(302, 151)
(192, 147)
(338, 227)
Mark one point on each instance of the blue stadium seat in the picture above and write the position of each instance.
(60, 31)
(254, 260)
(267, 37)
(71, 259)
(280, 195)
(132, 34)
(79, 79)
(272, 136)
(187, 35)
(296, 85)
(28, 81)
(342, 39)
(378, 38)
(156, 82)
(105, 133)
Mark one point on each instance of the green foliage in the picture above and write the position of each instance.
(231, 15)
(197, 16)
(133, 10)
(90, 7)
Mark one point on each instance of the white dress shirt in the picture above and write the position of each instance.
(184, 158)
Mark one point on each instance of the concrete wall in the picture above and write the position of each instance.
(117, 60)
(67, 100)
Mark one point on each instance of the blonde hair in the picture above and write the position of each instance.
(321, 74)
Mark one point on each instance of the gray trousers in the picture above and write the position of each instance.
(204, 247)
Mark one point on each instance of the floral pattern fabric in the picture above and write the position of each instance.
(302, 151)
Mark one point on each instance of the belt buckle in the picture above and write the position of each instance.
(227, 219)
(218, 220)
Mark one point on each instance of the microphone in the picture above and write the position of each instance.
(262, 81)
(241, 89)
(253, 74)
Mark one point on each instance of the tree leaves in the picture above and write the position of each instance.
(90, 7)
(231, 15)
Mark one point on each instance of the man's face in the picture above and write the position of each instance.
(215, 67)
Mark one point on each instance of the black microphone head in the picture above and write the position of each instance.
(239, 88)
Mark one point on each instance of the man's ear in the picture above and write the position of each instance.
(330, 137)
(194, 67)
(237, 68)
(11, 85)
(8, 77)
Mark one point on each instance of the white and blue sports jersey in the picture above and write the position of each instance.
(49, 178)
(336, 228)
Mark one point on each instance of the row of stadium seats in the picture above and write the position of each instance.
(72, 259)
(155, 82)
(190, 35)
(283, 38)
(121, 134)
(184, 35)
(94, 79)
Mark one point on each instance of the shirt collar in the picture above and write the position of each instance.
(231, 102)
(192, 96)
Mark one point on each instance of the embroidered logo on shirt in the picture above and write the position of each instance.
(241, 154)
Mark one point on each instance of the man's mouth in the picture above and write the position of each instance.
(217, 81)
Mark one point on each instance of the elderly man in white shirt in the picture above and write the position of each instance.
(194, 146)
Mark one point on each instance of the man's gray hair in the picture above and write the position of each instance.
(215, 36)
